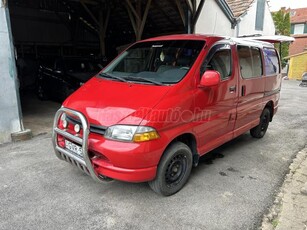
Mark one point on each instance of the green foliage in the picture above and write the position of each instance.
(283, 27)
(275, 223)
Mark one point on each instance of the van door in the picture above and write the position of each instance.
(216, 106)
(251, 88)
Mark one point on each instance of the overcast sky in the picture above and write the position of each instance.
(293, 4)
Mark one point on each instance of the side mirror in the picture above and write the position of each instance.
(210, 78)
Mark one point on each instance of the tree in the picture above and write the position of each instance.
(282, 25)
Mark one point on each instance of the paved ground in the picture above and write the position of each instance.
(289, 210)
(230, 190)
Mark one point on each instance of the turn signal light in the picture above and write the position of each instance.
(140, 137)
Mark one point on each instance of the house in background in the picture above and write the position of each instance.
(298, 49)
(297, 65)
(298, 20)
(253, 17)
(235, 18)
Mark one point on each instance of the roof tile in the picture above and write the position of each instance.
(298, 15)
(239, 7)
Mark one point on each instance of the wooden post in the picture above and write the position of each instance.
(102, 24)
(137, 20)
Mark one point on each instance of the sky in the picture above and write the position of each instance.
(293, 4)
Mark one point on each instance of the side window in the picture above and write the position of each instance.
(257, 62)
(250, 62)
(219, 59)
(271, 61)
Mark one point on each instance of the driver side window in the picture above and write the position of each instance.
(219, 59)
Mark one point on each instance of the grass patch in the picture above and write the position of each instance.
(275, 223)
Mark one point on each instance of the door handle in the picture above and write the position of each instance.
(232, 89)
(243, 91)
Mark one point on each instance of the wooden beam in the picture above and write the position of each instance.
(163, 12)
(137, 19)
(198, 11)
(106, 21)
(133, 10)
(190, 6)
(133, 23)
(181, 12)
(89, 12)
(144, 18)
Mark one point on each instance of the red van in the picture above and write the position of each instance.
(164, 102)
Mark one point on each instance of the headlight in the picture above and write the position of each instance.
(131, 133)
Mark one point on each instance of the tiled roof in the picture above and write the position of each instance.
(239, 7)
(298, 15)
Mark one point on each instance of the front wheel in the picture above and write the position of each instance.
(174, 169)
(260, 130)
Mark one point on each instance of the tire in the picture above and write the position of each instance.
(260, 130)
(173, 170)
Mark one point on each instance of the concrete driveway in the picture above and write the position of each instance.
(231, 189)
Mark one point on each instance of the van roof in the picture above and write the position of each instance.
(206, 37)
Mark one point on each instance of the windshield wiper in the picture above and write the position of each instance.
(112, 76)
(143, 80)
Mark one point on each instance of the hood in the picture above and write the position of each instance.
(106, 102)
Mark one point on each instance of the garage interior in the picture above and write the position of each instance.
(96, 29)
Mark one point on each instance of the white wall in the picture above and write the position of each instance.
(247, 24)
(9, 102)
(212, 20)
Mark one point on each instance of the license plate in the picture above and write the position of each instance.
(74, 148)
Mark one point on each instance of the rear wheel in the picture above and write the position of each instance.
(260, 130)
(174, 169)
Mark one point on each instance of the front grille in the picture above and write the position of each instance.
(93, 128)
(75, 163)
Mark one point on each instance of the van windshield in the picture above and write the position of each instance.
(155, 62)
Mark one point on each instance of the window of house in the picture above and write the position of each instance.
(219, 59)
(299, 29)
(271, 62)
(260, 14)
(250, 62)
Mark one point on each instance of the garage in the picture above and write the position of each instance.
(50, 37)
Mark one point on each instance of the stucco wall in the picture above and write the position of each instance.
(297, 66)
(9, 115)
(247, 23)
(212, 20)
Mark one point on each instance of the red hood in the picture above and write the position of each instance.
(107, 102)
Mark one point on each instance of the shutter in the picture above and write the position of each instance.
(292, 29)
(305, 28)
(260, 15)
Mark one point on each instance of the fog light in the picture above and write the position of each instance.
(65, 124)
(77, 128)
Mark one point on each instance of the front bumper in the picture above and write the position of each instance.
(140, 162)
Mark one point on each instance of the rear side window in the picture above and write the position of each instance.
(250, 62)
(271, 61)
